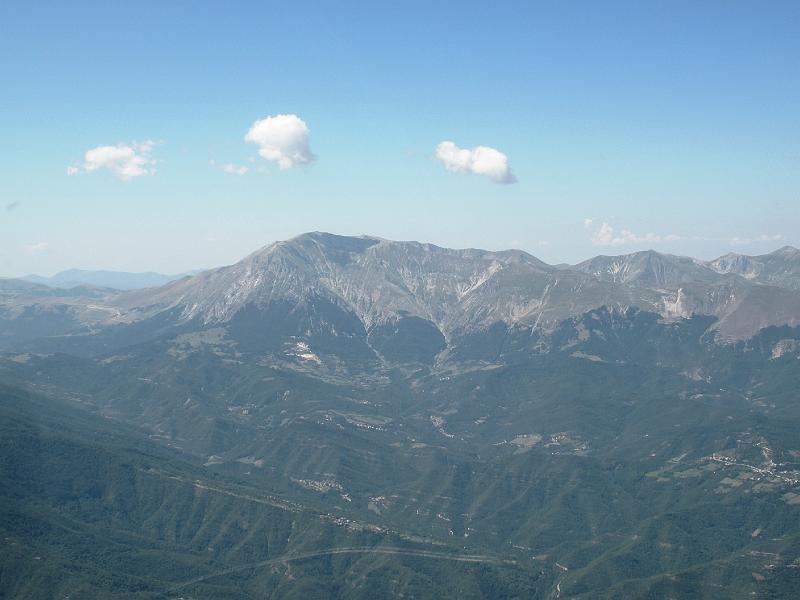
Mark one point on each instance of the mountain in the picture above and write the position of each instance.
(377, 285)
(118, 280)
(342, 417)
(650, 269)
(376, 299)
(722, 287)
(380, 286)
(23, 287)
(779, 268)
(378, 281)
(20, 287)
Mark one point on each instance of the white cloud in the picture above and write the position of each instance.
(234, 169)
(230, 168)
(36, 248)
(481, 160)
(737, 241)
(282, 139)
(587, 222)
(126, 161)
(605, 235)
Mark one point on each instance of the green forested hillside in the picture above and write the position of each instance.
(564, 472)
(90, 510)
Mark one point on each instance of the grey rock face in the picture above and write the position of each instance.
(329, 284)
(780, 268)
(381, 281)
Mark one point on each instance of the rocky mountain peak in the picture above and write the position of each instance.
(647, 268)
(378, 282)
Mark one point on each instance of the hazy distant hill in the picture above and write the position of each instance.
(118, 280)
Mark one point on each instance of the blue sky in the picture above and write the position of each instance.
(672, 125)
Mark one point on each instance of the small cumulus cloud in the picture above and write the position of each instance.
(126, 161)
(605, 235)
(36, 247)
(480, 160)
(739, 241)
(283, 139)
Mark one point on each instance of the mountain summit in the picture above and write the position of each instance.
(779, 268)
(368, 290)
(380, 281)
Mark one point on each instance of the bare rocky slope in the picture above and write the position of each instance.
(382, 281)
(372, 284)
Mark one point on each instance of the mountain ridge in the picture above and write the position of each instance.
(382, 280)
(119, 280)
(372, 289)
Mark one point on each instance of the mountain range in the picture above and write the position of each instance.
(378, 286)
(353, 417)
(118, 280)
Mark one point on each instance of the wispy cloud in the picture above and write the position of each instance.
(739, 241)
(230, 168)
(234, 169)
(126, 161)
(36, 247)
(283, 139)
(480, 160)
(12, 206)
(605, 235)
